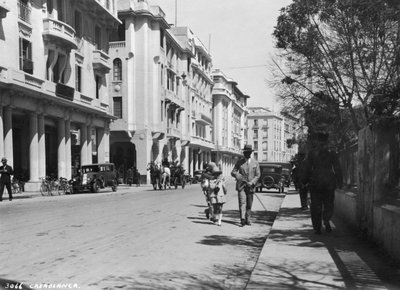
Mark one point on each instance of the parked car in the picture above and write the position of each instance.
(271, 177)
(93, 177)
(197, 176)
(286, 172)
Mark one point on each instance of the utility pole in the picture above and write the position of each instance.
(176, 13)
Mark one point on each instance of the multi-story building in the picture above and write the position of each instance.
(229, 116)
(160, 91)
(54, 113)
(268, 133)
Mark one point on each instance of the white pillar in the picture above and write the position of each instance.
(42, 146)
(1, 132)
(61, 148)
(84, 144)
(89, 145)
(8, 139)
(101, 149)
(68, 165)
(33, 148)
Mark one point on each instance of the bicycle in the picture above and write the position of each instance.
(48, 186)
(64, 186)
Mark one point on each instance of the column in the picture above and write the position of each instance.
(42, 146)
(84, 144)
(61, 148)
(101, 149)
(68, 154)
(89, 144)
(8, 139)
(33, 148)
(1, 132)
(107, 143)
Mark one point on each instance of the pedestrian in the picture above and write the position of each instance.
(5, 179)
(214, 188)
(246, 172)
(136, 176)
(296, 174)
(323, 175)
(129, 174)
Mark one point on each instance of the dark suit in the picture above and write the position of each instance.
(5, 180)
(323, 174)
(246, 172)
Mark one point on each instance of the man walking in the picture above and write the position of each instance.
(5, 179)
(246, 172)
(323, 174)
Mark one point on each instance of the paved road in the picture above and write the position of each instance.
(132, 239)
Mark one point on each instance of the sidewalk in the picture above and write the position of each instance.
(293, 257)
(31, 194)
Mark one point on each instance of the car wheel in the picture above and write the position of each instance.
(96, 187)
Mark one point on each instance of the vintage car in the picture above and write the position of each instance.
(93, 177)
(271, 177)
(286, 172)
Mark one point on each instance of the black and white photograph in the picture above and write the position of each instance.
(200, 144)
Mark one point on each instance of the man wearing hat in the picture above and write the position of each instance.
(323, 174)
(5, 179)
(246, 172)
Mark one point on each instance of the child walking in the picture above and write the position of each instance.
(216, 191)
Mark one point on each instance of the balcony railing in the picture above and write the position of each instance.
(100, 61)
(24, 12)
(59, 32)
(65, 92)
(117, 44)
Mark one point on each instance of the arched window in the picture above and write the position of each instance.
(117, 69)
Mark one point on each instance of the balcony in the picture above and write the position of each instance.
(201, 118)
(3, 10)
(172, 97)
(173, 133)
(60, 33)
(100, 61)
(65, 92)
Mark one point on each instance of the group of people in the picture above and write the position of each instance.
(246, 172)
(317, 172)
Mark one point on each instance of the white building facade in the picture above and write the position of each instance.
(268, 132)
(54, 110)
(160, 92)
(229, 119)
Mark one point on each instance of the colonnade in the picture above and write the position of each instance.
(37, 143)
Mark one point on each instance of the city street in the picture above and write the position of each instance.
(136, 238)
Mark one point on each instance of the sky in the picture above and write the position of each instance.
(239, 35)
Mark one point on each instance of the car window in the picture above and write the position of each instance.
(269, 170)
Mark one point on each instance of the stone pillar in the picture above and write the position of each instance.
(42, 147)
(84, 144)
(1, 132)
(89, 144)
(107, 143)
(101, 149)
(33, 148)
(143, 142)
(61, 148)
(68, 154)
(8, 139)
